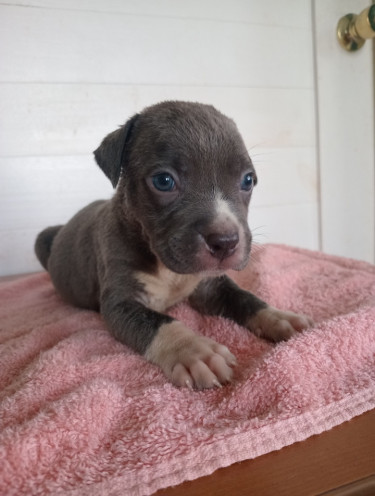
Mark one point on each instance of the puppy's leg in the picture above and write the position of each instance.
(221, 296)
(186, 358)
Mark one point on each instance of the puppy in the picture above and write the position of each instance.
(176, 223)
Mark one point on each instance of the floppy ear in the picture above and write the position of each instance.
(111, 154)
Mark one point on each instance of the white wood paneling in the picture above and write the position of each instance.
(59, 188)
(73, 119)
(279, 171)
(293, 12)
(17, 252)
(286, 224)
(346, 136)
(147, 50)
(72, 71)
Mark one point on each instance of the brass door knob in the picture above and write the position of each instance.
(353, 30)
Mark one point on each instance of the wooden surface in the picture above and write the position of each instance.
(343, 456)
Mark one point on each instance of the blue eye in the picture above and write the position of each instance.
(247, 182)
(163, 182)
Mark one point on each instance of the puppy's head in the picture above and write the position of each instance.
(183, 172)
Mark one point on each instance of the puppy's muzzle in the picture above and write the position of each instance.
(222, 245)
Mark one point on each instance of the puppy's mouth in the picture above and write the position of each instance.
(213, 253)
(222, 251)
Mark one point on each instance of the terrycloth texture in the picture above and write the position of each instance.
(80, 414)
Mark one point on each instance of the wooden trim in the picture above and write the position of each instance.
(333, 459)
(364, 487)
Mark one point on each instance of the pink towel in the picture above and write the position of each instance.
(80, 414)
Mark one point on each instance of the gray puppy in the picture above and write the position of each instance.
(176, 223)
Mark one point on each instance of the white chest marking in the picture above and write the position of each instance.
(166, 288)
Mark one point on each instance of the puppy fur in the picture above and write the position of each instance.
(176, 223)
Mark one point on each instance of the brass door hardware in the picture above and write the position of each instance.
(353, 30)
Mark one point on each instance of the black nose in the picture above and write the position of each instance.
(222, 245)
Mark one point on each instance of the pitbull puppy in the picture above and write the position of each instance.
(176, 223)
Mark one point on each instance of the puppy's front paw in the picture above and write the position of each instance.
(190, 360)
(276, 325)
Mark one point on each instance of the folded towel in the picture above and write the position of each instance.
(81, 414)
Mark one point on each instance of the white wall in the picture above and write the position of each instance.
(73, 70)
